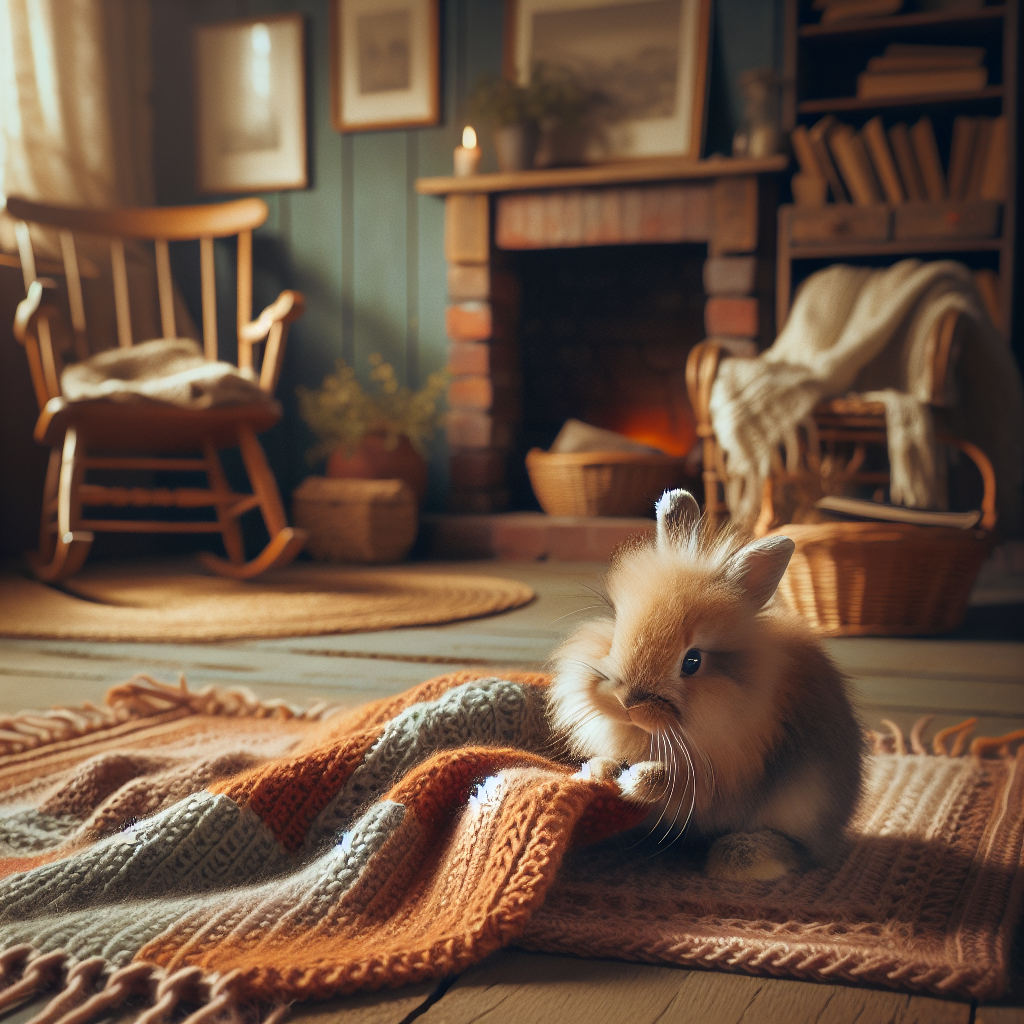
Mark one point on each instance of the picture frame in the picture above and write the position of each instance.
(250, 89)
(649, 59)
(385, 64)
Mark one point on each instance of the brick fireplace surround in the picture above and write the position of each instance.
(729, 205)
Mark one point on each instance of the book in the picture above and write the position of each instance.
(844, 10)
(923, 57)
(852, 161)
(961, 151)
(818, 136)
(877, 145)
(804, 152)
(872, 86)
(979, 157)
(922, 135)
(910, 173)
(996, 169)
(857, 508)
(889, 63)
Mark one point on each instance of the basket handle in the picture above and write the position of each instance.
(988, 476)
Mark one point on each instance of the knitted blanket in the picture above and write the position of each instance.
(207, 849)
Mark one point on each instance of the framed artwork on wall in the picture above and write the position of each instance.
(384, 64)
(644, 63)
(251, 105)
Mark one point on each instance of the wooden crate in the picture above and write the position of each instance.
(811, 225)
(978, 218)
(362, 521)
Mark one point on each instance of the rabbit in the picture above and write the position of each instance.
(734, 722)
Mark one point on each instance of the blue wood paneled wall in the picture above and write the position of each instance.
(363, 247)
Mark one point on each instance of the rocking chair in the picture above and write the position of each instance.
(131, 436)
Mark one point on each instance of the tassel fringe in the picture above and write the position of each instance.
(949, 742)
(139, 698)
(25, 973)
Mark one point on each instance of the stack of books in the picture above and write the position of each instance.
(902, 164)
(907, 69)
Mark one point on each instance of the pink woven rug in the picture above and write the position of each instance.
(927, 899)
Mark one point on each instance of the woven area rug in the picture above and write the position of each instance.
(206, 849)
(179, 602)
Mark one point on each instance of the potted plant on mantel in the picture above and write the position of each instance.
(378, 436)
(554, 109)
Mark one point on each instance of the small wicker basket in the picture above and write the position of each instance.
(888, 579)
(600, 483)
(352, 520)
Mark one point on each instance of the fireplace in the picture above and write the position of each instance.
(579, 292)
(602, 335)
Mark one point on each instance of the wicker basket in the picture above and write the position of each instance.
(600, 483)
(887, 579)
(362, 521)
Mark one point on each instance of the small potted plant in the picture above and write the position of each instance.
(377, 436)
(508, 108)
(566, 110)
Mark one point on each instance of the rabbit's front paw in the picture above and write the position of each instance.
(645, 782)
(599, 769)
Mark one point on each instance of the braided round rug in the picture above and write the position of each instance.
(179, 602)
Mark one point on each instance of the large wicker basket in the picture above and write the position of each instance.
(887, 579)
(600, 483)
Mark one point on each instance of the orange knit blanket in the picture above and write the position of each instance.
(210, 849)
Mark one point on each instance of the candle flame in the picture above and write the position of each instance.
(468, 137)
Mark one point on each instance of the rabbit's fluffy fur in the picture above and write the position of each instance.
(757, 752)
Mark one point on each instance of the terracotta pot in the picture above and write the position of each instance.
(370, 460)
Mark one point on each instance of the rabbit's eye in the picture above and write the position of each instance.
(691, 661)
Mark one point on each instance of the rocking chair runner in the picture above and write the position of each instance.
(108, 435)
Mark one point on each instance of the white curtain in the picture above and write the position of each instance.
(75, 122)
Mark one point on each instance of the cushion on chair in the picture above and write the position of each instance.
(172, 371)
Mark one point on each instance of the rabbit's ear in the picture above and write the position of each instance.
(759, 567)
(678, 514)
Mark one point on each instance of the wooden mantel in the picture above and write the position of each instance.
(651, 169)
(724, 204)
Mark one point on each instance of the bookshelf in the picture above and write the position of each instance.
(822, 63)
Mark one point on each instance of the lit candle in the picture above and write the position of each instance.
(467, 156)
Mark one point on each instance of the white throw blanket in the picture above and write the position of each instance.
(865, 330)
(169, 370)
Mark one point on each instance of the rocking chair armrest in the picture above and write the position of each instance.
(32, 307)
(287, 307)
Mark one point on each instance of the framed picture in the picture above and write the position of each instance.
(644, 61)
(384, 64)
(251, 105)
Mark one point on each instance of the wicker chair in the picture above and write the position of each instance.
(856, 578)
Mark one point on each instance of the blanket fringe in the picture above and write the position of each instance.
(80, 1000)
(142, 697)
(948, 742)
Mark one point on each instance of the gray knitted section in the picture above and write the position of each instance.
(202, 842)
(117, 930)
(484, 712)
(27, 832)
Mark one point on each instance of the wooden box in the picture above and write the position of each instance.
(837, 223)
(976, 218)
(363, 521)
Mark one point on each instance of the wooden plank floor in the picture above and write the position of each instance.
(978, 672)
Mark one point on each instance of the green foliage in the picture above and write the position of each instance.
(554, 93)
(341, 412)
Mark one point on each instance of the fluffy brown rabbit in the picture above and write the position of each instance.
(735, 723)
